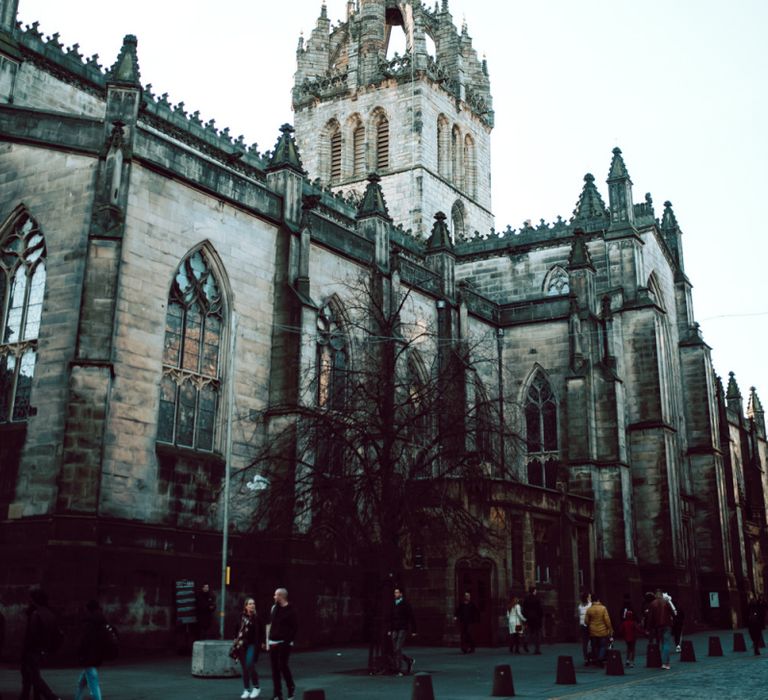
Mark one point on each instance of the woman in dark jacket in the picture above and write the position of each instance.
(90, 653)
(755, 621)
(246, 647)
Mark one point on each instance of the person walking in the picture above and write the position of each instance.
(515, 622)
(755, 622)
(401, 624)
(205, 606)
(283, 626)
(40, 638)
(659, 623)
(467, 615)
(246, 648)
(533, 612)
(583, 606)
(91, 651)
(677, 627)
(630, 631)
(600, 629)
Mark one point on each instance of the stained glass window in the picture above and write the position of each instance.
(190, 388)
(22, 289)
(541, 433)
(332, 361)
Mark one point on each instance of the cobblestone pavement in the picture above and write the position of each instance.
(341, 673)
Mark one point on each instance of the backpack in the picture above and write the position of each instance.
(110, 642)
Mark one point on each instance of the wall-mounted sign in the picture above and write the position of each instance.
(714, 600)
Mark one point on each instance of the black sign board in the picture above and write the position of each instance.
(186, 610)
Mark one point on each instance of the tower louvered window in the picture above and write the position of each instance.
(22, 288)
(382, 144)
(189, 391)
(336, 155)
(541, 433)
(358, 147)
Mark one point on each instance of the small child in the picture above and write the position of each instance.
(630, 631)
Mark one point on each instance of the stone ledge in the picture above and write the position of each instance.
(210, 659)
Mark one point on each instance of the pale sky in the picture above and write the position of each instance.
(678, 85)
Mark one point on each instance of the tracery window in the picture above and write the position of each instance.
(191, 384)
(417, 402)
(458, 224)
(443, 147)
(543, 457)
(556, 282)
(22, 288)
(332, 360)
(457, 157)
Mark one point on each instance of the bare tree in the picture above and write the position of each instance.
(396, 436)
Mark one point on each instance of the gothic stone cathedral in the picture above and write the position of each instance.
(132, 234)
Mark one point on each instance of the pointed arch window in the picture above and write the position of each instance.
(457, 157)
(417, 402)
(443, 147)
(543, 457)
(470, 167)
(191, 384)
(22, 289)
(382, 143)
(332, 360)
(335, 146)
(358, 150)
(556, 283)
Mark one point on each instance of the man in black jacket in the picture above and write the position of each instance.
(533, 612)
(467, 615)
(38, 639)
(282, 632)
(401, 623)
(91, 651)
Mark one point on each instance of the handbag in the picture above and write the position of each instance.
(518, 628)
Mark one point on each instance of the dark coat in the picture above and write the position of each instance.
(533, 611)
(40, 623)
(284, 624)
(401, 616)
(205, 606)
(91, 650)
(467, 613)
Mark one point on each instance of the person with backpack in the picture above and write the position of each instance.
(91, 651)
(42, 636)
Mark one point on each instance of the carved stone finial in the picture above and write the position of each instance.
(126, 67)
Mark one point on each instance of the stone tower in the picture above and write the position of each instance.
(422, 120)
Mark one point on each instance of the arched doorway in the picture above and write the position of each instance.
(475, 575)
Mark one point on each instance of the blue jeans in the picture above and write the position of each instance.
(664, 637)
(248, 659)
(89, 677)
(599, 647)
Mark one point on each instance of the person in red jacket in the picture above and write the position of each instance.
(629, 630)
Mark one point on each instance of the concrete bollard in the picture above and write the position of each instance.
(503, 686)
(687, 652)
(210, 659)
(715, 648)
(653, 656)
(738, 642)
(566, 673)
(422, 687)
(314, 694)
(613, 667)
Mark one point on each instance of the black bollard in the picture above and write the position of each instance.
(422, 687)
(715, 648)
(503, 687)
(314, 694)
(653, 656)
(566, 673)
(613, 666)
(738, 642)
(687, 652)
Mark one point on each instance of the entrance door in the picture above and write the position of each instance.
(475, 577)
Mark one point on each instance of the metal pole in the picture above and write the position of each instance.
(227, 465)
